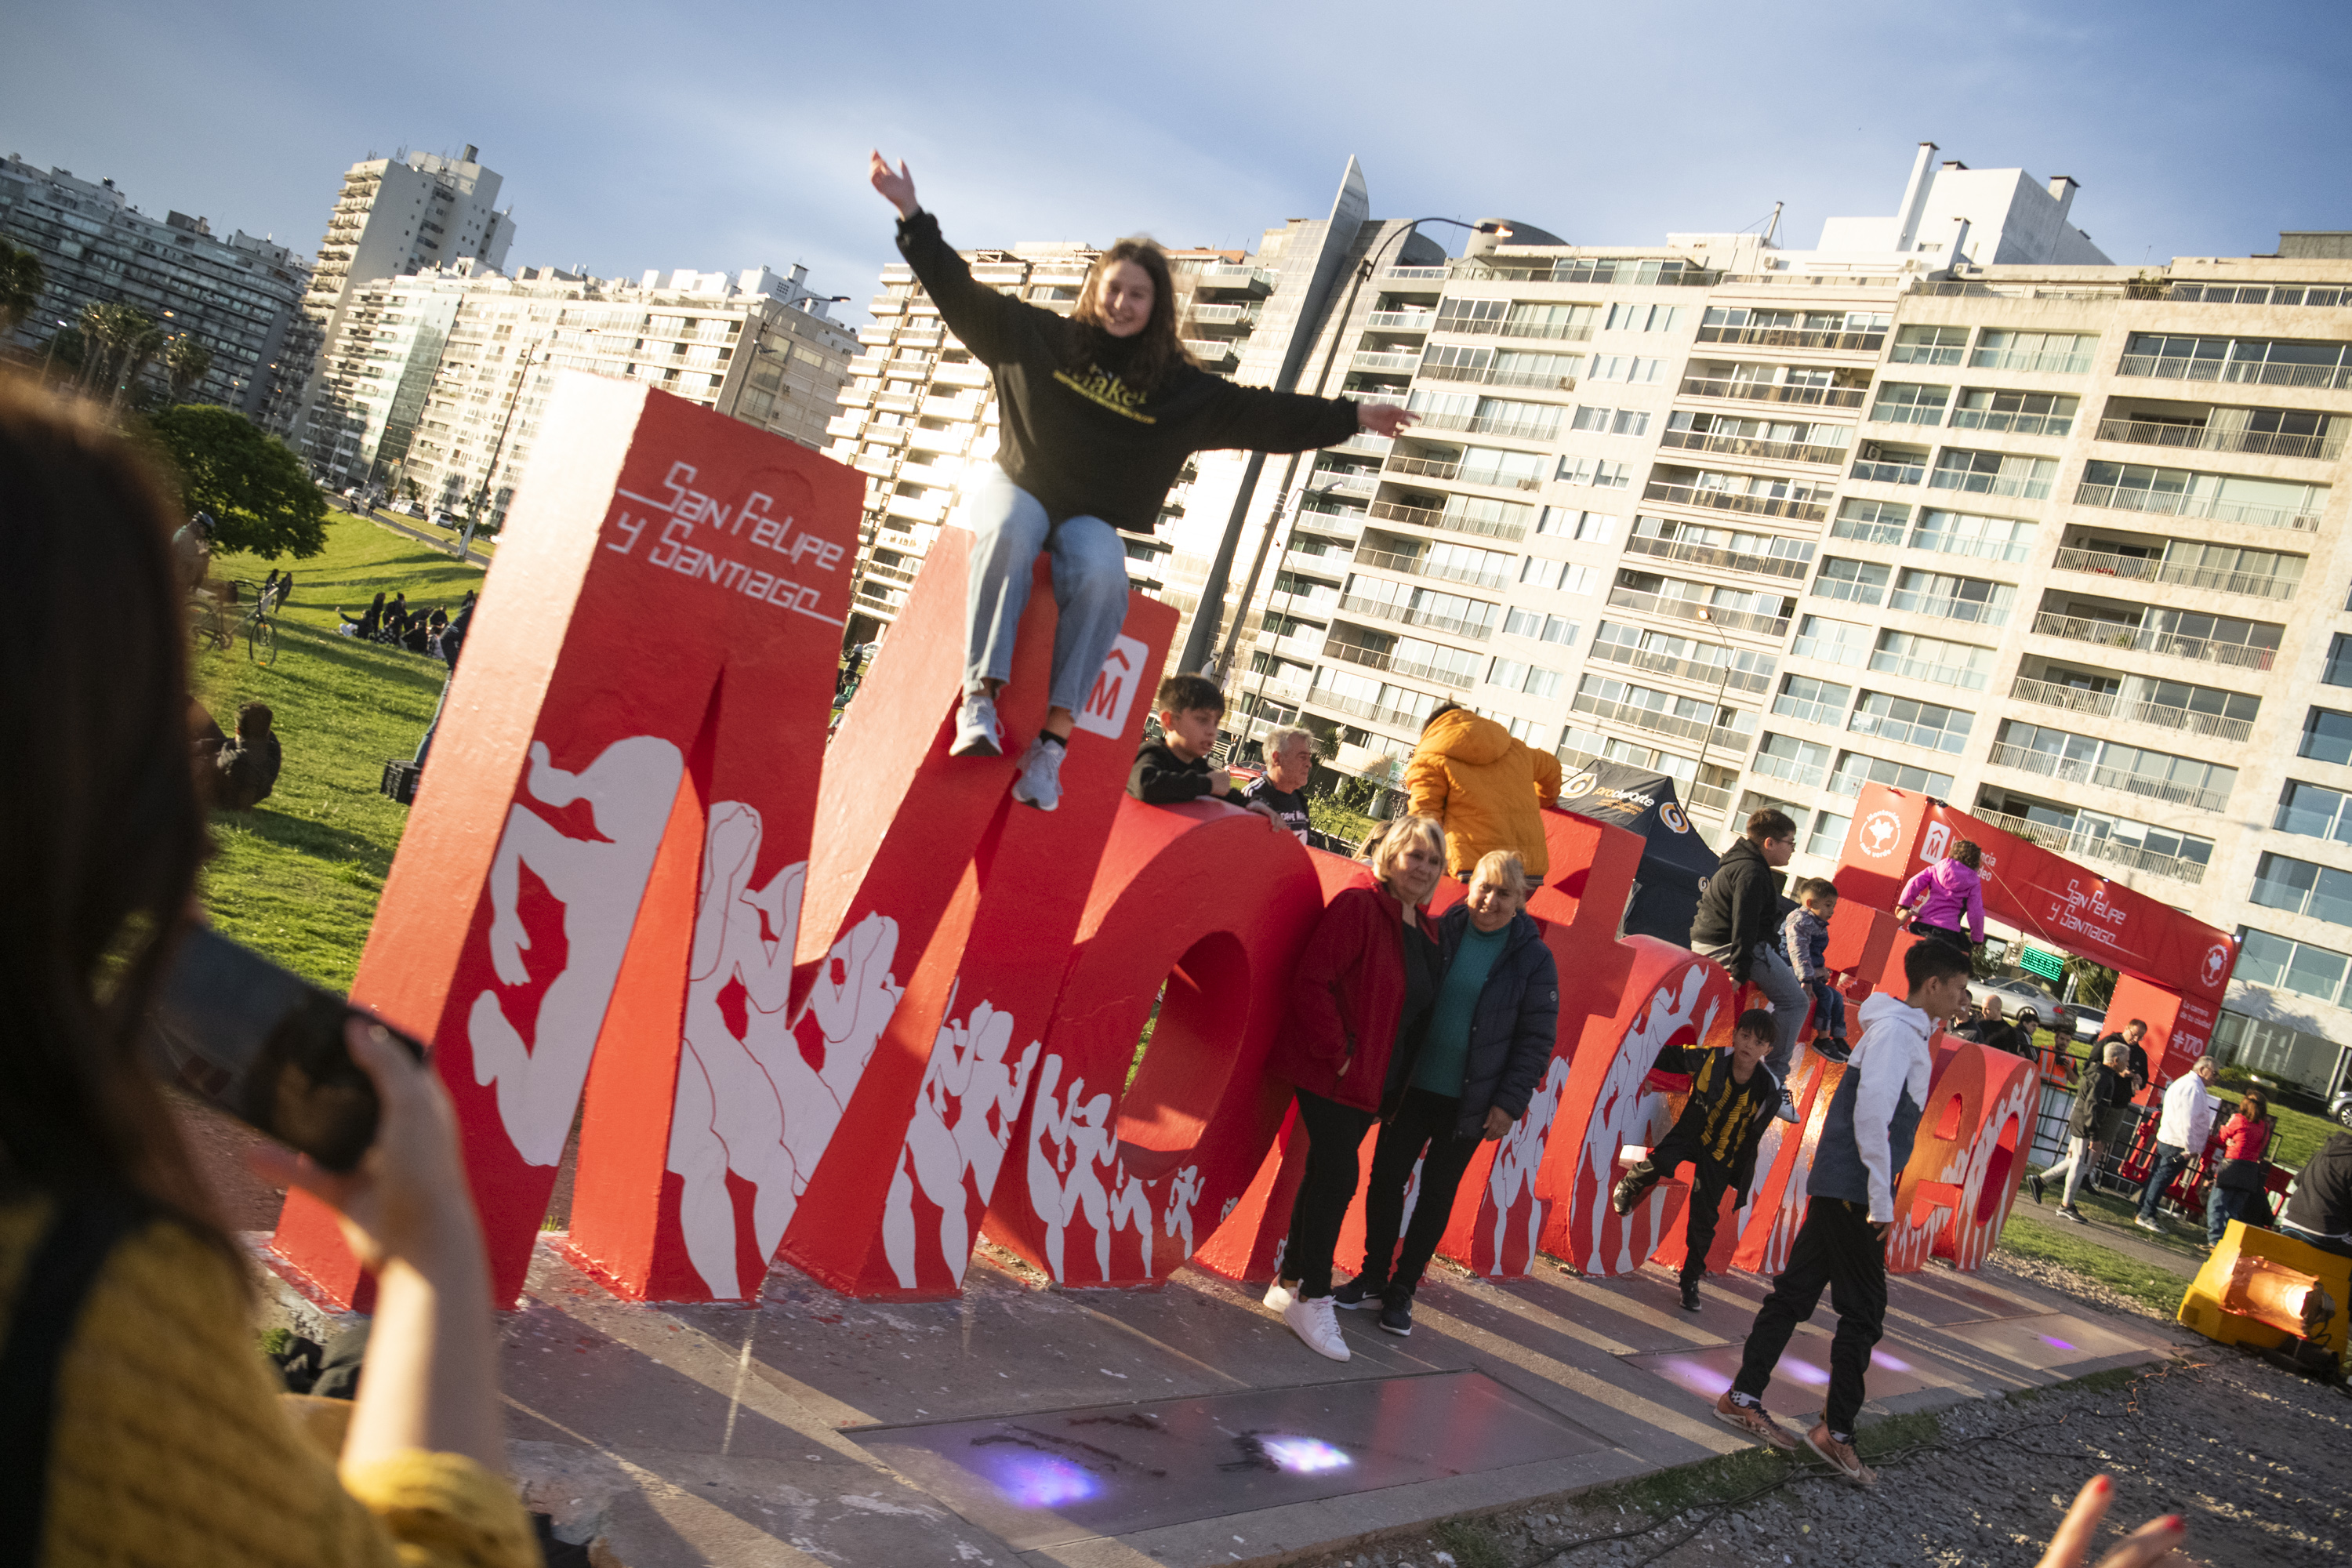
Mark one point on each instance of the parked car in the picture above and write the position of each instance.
(2339, 1110)
(2029, 1003)
(2088, 1021)
(449, 519)
(407, 509)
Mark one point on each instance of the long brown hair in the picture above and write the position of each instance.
(101, 834)
(1158, 349)
(2254, 1105)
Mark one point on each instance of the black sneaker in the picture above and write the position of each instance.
(1396, 1315)
(1690, 1295)
(1363, 1290)
(2068, 1211)
(2035, 1182)
(1833, 1050)
(1626, 1194)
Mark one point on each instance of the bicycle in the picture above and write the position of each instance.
(206, 624)
(261, 636)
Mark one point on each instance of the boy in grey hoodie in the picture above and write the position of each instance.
(1864, 1145)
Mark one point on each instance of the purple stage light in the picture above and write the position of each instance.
(1698, 1376)
(1892, 1362)
(1306, 1455)
(2056, 1344)
(1034, 1481)
(1806, 1371)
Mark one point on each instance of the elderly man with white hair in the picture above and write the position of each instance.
(2105, 1092)
(2181, 1132)
(1282, 793)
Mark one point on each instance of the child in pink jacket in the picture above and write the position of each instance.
(1935, 900)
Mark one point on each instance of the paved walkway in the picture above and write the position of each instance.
(1184, 1426)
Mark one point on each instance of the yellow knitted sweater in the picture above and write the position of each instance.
(171, 1448)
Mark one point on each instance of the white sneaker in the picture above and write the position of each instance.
(2147, 1223)
(1314, 1321)
(1788, 1111)
(1040, 784)
(977, 732)
(1278, 1297)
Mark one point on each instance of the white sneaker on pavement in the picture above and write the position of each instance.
(977, 732)
(1314, 1321)
(1788, 1111)
(1278, 1297)
(1040, 784)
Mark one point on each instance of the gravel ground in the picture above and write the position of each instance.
(2257, 1460)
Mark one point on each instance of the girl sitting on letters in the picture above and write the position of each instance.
(1098, 413)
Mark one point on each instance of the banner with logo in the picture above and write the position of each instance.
(1675, 861)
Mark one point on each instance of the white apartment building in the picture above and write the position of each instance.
(393, 217)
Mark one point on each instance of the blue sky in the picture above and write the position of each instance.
(661, 135)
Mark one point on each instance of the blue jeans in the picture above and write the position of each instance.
(1090, 564)
(2169, 1160)
(425, 745)
(2223, 1205)
(1828, 1009)
(1769, 972)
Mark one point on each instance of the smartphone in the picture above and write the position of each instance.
(265, 1045)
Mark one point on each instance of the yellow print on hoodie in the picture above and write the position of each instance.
(1100, 387)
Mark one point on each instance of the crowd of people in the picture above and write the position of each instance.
(389, 620)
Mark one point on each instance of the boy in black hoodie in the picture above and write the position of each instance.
(1175, 768)
(1733, 1097)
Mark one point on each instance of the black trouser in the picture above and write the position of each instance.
(1424, 1120)
(1709, 1180)
(1325, 1188)
(1950, 938)
(1836, 1246)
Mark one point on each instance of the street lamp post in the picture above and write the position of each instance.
(490, 469)
(1707, 736)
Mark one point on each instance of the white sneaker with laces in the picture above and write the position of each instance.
(1788, 1111)
(1278, 1297)
(977, 732)
(1314, 1321)
(1040, 784)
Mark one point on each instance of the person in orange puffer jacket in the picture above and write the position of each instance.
(1486, 788)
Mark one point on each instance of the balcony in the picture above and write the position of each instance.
(1423, 467)
(2094, 846)
(1713, 675)
(2082, 770)
(2111, 633)
(1326, 564)
(2181, 504)
(1794, 338)
(1349, 484)
(1788, 770)
(1715, 555)
(1417, 274)
(1929, 414)
(1499, 478)
(2107, 705)
(1223, 315)
(2245, 372)
(1808, 711)
(2150, 569)
(1886, 473)
(895, 403)
(2018, 359)
(1729, 500)
(1488, 424)
(1487, 376)
(1745, 446)
(1405, 615)
(1228, 280)
(2204, 438)
(1214, 354)
(1949, 608)
(1460, 680)
(970, 374)
(2013, 422)
(1379, 364)
(1372, 712)
(1447, 522)
(1420, 566)
(1692, 610)
(1661, 723)
(1971, 481)
(1397, 320)
(1770, 392)
(1355, 653)
(874, 337)
(1365, 441)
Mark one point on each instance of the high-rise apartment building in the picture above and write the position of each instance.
(443, 374)
(393, 217)
(237, 296)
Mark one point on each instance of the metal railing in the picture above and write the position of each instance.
(2205, 439)
(1499, 480)
(1882, 473)
(1488, 425)
(1774, 392)
(1360, 484)
(2096, 846)
(1418, 274)
(2110, 705)
(1969, 481)
(1715, 555)
(1661, 723)
(1727, 500)
(1949, 608)
(1794, 338)
(1421, 566)
(2152, 569)
(1925, 353)
(2181, 504)
(1705, 673)
(1866, 530)
(1851, 590)
(1808, 710)
(1372, 712)
(1400, 365)
(1402, 320)
(2016, 424)
(1885, 413)
(1355, 653)
(1927, 669)
(1556, 332)
(1423, 467)
(2018, 359)
(1943, 542)
(1692, 610)
(1787, 769)
(2077, 770)
(2112, 634)
(1747, 447)
(1226, 314)
(1460, 681)
(1381, 610)
(1487, 376)
(1446, 521)
(2253, 372)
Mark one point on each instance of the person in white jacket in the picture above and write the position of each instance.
(1866, 1143)
(2181, 1132)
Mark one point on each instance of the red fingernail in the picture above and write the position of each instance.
(2101, 1484)
(2173, 1522)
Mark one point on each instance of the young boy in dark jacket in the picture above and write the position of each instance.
(1733, 1098)
(1805, 939)
(1738, 924)
(1175, 768)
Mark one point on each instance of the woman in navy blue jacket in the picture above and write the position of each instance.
(1490, 1033)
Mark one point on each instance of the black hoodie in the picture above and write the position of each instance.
(1740, 906)
(1073, 433)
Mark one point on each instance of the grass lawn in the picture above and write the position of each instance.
(298, 877)
(2074, 1246)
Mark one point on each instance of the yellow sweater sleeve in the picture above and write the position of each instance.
(171, 1450)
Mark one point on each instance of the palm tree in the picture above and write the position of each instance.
(109, 330)
(136, 355)
(21, 281)
(185, 364)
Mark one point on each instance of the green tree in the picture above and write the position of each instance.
(253, 487)
(108, 330)
(136, 355)
(21, 281)
(185, 364)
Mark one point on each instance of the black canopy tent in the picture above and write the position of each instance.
(1675, 864)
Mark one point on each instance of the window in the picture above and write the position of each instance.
(2024, 412)
(1862, 582)
(2338, 671)
(2001, 349)
(1566, 576)
(2083, 759)
(1471, 315)
(1593, 472)
(1957, 664)
(1885, 463)
(2302, 888)
(1788, 758)
(1930, 345)
(1815, 701)
(1645, 317)
(1544, 629)
(2315, 812)
(1910, 721)
(1495, 465)
(1627, 368)
(1993, 473)
(1568, 522)
(1828, 839)
(1462, 361)
(1870, 521)
(1577, 744)
(1838, 642)
(1514, 369)
(1952, 597)
(2297, 967)
(1433, 661)
(1965, 533)
(1512, 676)
(2327, 736)
(1854, 770)
(1524, 731)
(2182, 492)
(1910, 403)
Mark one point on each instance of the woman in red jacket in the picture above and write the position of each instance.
(1364, 982)
(2238, 1155)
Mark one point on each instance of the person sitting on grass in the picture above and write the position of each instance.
(363, 627)
(1865, 1144)
(1175, 768)
(1733, 1098)
(1805, 938)
(245, 770)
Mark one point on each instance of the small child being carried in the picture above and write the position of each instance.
(1733, 1098)
(1805, 941)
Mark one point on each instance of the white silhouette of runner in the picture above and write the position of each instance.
(1082, 1128)
(600, 882)
(1184, 1192)
(962, 1123)
(1520, 1156)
